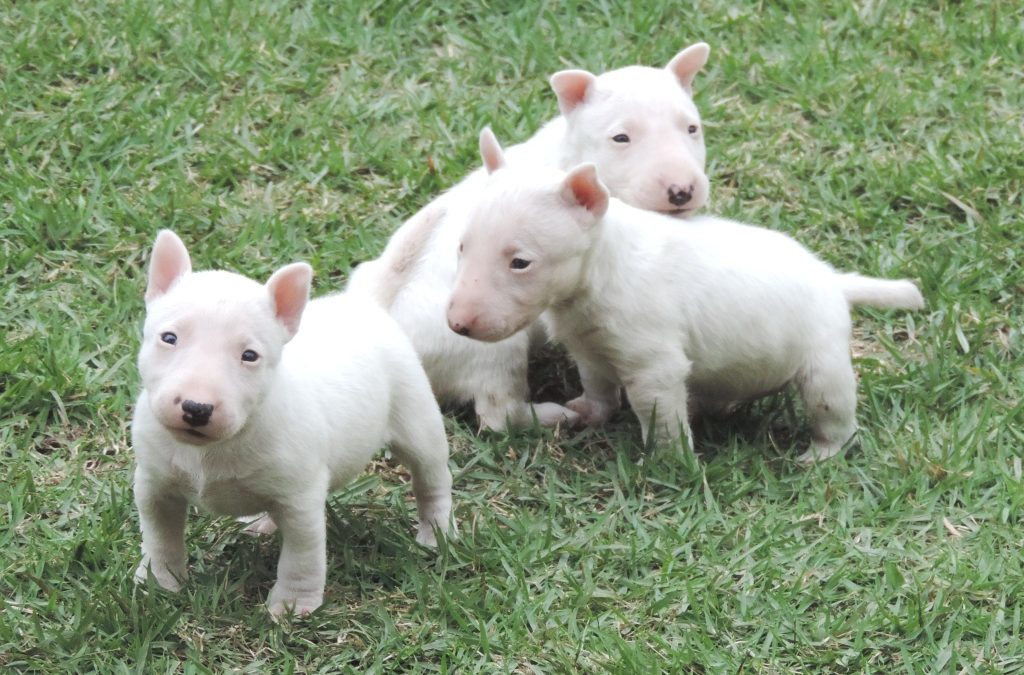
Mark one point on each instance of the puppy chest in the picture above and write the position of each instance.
(609, 356)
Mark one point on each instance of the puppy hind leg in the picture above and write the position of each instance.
(828, 387)
(419, 442)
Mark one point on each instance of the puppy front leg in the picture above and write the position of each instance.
(659, 396)
(302, 567)
(162, 521)
(498, 413)
(500, 391)
(601, 396)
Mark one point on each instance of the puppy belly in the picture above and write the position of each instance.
(231, 498)
(725, 389)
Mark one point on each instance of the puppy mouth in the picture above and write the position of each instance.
(504, 332)
(679, 212)
(191, 436)
(491, 334)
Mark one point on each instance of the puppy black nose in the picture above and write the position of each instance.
(679, 196)
(196, 414)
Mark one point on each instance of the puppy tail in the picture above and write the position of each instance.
(383, 278)
(884, 293)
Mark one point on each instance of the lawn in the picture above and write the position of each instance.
(885, 135)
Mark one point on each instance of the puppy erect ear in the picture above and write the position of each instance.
(687, 63)
(168, 263)
(289, 289)
(490, 151)
(581, 187)
(571, 87)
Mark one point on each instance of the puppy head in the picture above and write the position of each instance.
(640, 128)
(525, 245)
(212, 340)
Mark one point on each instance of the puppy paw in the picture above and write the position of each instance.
(168, 579)
(592, 413)
(552, 414)
(818, 453)
(427, 533)
(261, 524)
(284, 601)
(425, 536)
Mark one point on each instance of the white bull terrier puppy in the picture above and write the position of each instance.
(639, 125)
(244, 412)
(716, 310)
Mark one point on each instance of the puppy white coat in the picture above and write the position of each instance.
(639, 125)
(716, 310)
(236, 420)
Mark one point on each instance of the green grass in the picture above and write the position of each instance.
(885, 135)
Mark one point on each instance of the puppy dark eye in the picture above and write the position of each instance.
(693, 129)
(249, 356)
(460, 248)
(519, 264)
(169, 338)
(621, 138)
